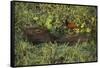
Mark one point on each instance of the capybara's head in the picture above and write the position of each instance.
(36, 34)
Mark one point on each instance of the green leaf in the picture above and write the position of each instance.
(48, 23)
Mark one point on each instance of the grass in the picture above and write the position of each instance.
(51, 53)
(52, 17)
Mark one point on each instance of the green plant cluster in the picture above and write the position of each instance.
(52, 16)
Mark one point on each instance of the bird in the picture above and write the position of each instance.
(70, 25)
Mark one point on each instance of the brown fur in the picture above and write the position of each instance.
(38, 34)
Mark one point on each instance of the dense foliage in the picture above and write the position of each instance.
(51, 16)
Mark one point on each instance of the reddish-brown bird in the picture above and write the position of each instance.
(70, 25)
